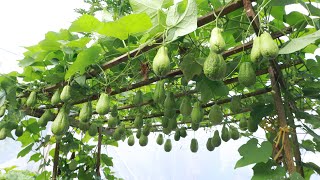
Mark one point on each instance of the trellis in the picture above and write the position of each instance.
(274, 70)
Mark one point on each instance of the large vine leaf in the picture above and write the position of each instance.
(181, 24)
(86, 23)
(190, 67)
(252, 154)
(122, 28)
(300, 43)
(209, 89)
(146, 6)
(264, 171)
(84, 59)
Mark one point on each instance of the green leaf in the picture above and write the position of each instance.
(209, 89)
(181, 24)
(277, 12)
(25, 139)
(190, 67)
(296, 176)
(85, 58)
(25, 151)
(312, 165)
(125, 26)
(308, 145)
(86, 23)
(79, 43)
(264, 171)
(312, 133)
(300, 43)
(314, 11)
(282, 2)
(251, 153)
(145, 6)
(261, 110)
(36, 157)
(106, 160)
(295, 18)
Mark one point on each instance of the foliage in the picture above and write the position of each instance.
(113, 57)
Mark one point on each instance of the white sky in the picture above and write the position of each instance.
(24, 23)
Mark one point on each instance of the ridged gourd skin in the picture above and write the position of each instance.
(131, 140)
(215, 114)
(268, 47)
(183, 132)
(32, 99)
(55, 99)
(167, 145)
(85, 112)
(103, 104)
(169, 106)
(246, 76)
(234, 133)
(159, 139)
(65, 95)
(93, 130)
(138, 121)
(215, 67)
(138, 98)
(161, 62)
(61, 123)
(196, 113)
(19, 131)
(255, 50)
(225, 134)
(217, 43)
(2, 110)
(3, 133)
(235, 104)
(185, 106)
(159, 94)
(143, 140)
(216, 141)
(194, 145)
(209, 145)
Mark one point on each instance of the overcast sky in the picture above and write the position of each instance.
(24, 23)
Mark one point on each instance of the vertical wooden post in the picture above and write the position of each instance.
(55, 161)
(99, 152)
(276, 91)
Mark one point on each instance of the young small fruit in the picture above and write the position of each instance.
(234, 133)
(243, 124)
(209, 145)
(167, 145)
(225, 135)
(112, 122)
(138, 98)
(196, 113)
(3, 133)
(93, 130)
(2, 110)
(246, 76)
(217, 43)
(65, 95)
(215, 114)
(161, 62)
(85, 112)
(32, 99)
(138, 121)
(216, 141)
(55, 99)
(19, 131)
(185, 106)
(160, 139)
(131, 140)
(177, 135)
(103, 104)
(268, 47)
(61, 123)
(114, 111)
(169, 106)
(143, 140)
(138, 134)
(159, 94)
(194, 145)
(235, 104)
(183, 132)
(256, 50)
